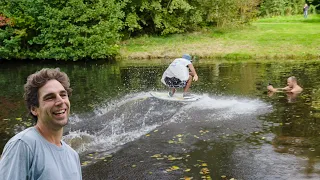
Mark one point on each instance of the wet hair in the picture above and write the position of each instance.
(37, 80)
(293, 78)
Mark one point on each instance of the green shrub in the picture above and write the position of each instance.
(61, 30)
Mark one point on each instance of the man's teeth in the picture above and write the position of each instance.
(60, 112)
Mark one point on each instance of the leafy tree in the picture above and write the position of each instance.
(228, 13)
(281, 7)
(177, 16)
(61, 29)
(160, 16)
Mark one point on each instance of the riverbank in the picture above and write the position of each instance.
(291, 37)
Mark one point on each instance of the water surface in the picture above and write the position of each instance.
(237, 130)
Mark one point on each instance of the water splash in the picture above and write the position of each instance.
(127, 119)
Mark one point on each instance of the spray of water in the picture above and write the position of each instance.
(121, 121)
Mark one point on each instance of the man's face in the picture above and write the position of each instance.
(290, 82)
(54, 105)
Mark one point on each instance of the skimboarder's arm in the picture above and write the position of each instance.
(193, 72)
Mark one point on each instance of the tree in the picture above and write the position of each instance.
(56, 29)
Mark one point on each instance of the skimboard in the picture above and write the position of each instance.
(175, 97)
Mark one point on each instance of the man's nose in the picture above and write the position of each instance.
(59, 100)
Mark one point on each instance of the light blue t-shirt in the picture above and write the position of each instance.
(29, 156)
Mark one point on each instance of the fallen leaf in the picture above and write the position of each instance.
(175, 168)
(188, 178)
(156, 155)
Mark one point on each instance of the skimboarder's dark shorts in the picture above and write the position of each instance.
(175, 82)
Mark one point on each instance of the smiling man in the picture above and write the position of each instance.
(39, 152)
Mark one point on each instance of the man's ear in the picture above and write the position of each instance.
(34, 111)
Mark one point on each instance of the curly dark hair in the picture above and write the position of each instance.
(37, 80)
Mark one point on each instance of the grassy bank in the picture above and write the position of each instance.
(291, 37)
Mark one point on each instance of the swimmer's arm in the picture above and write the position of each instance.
(272, 89)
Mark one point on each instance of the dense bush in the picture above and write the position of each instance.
(176, 16)
(60, 29)
(281, 7)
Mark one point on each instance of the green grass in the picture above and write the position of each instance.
(287, 37)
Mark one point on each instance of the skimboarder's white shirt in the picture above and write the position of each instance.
(178, 69)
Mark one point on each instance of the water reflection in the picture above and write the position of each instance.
(112, 108)
(291, 97)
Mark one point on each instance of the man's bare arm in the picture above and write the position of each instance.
(272, 89)
(193, 72)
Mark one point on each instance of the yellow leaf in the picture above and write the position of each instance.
(179, 135)
(175, 168)
(156, 156)
(147, 135)
(170, 142)
(134, 166)
(223, 176)
(155, 130)
(204, 164)
(187, 170)
(188, 178)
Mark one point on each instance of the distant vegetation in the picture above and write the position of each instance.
(93, 29)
